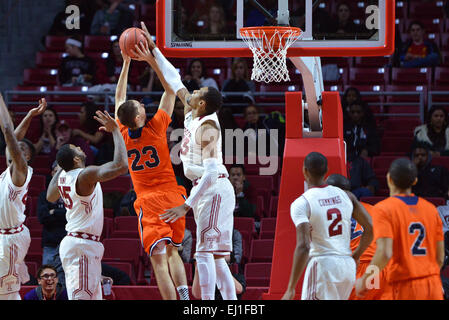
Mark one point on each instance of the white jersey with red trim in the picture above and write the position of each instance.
(84, 214)
(12, 200)
(328, 209)
(191, 155)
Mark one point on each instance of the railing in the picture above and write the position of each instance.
(106, 102)
(430, 96)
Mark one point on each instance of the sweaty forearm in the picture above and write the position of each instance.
(120, 154)
(120, 91)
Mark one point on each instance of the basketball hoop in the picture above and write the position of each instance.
(269, 47)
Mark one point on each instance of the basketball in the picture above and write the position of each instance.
(129, 38)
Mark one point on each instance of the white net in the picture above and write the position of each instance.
(270, 52)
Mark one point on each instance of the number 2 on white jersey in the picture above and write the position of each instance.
(335, 228)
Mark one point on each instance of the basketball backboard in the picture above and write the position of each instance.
(185, 28)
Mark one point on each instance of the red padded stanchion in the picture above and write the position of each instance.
(292, 180)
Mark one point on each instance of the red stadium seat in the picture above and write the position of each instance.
(55, 43)
(34, 253)
(257, 274)
(261, 182)
(125, 267)
(381, 164)
(33, 224)
(69, 98)
(405, 87)
(371, 200)
(275, 88)
(436, 201)
(415, 76)
(431, 25)
(426, 9)
(367, 76)
(267, 228)
(261, 250)
(40, 77)
(122, 250)
(108, 225)
(97, 43)
(396, 146)
(273, 207)
(441, 76)
(109, 213)
(45, 59)
(37, 185)
(147, 12)
(371, 62)
(28, 97)
(341, 62)
(245, 225)
(121, 183)
(441, 161)
(125, 227)
(32, 267)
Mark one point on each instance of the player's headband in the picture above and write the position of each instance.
(74, 42)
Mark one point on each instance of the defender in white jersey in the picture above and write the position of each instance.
(14, 235)
(322, 217)
(81, 250)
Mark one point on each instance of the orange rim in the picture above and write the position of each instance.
(269, 31)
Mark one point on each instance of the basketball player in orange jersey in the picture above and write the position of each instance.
(374, 293)
(409, 232)
(154, 182)
(212, 197)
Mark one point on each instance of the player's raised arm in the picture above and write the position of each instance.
(142, 52)
(22, 128)
(208, 134)
(110, 170)
(19, 165)
(52, 190)
(364, 219)
(120, 91)
(168, 72)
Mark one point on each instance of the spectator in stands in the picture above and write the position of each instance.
(127, 204)
(177, 119)
(49, 288)
(350, 96)
(76, 69)
(111, 18)
(239, 82)
(360, 133)
(243, 206)
(227, 121)
(47, 139)
(344, 26)
(435, 132)
(417, 51)
(237, 248)
(89, 127)
(52, 217)
(216, 27)
(185, 249)
(196, 76)
(433, 180)
(64, 135)
(362, 177)
(322, 22)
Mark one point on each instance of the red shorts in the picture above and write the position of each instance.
(370, 294)
(427, 288)
(152, 229)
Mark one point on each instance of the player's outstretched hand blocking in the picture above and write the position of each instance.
(173, 214)
(107, 122)
(39, 109)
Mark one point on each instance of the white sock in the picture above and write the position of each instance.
(225, 280)
(183, 292)
(206, 274)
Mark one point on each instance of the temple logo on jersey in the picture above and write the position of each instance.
(88, 205)
(329, 201)
(13, 194)
(61, 180)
